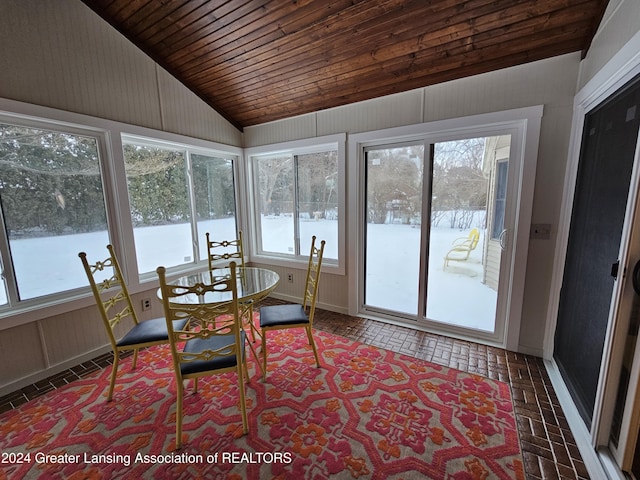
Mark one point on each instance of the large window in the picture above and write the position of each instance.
(297, 195)
(53, 207)
(71, 184)
(176, 196)
(215, 200)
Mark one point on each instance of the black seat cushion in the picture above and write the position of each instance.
(277, 315)
(196, 345)
(149, 331)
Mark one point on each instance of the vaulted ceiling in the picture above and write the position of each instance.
(256, 61)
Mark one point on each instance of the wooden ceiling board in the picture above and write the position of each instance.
(205, 36)
(375, 59)
(259, 61)
(304, 47)
(387, 69)
(269, 38)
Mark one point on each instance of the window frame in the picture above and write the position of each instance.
(120, 228)
(189, 150)
(14, 303)
(293, 149)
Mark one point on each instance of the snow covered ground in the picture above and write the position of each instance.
(456, 294)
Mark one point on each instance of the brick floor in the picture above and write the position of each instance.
(549, 449)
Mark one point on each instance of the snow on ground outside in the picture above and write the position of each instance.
(456, 294)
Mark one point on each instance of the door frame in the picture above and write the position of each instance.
(619, 70)
(619, 325)
(524, 124)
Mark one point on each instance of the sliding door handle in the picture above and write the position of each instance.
(503, 239)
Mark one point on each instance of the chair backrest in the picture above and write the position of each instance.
(474, 237)
(204, 321)
(111, 294)
(220, 250)
(313, 277)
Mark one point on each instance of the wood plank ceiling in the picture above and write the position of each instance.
(257, 61)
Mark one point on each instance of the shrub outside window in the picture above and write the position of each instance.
(176, 195)
(215, 200)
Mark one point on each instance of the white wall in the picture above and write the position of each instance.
(550, 82)
(620, 23)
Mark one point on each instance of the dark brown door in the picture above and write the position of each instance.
(602, 188)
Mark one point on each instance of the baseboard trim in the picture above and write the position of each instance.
(578, 428)
(324, 306)
(16, 385)
(534, 352)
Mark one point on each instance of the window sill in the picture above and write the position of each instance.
(329, 266)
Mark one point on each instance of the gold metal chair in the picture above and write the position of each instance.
(217, 252)
(279, 317)
(208, 346)
(116, 310)
(462, 247)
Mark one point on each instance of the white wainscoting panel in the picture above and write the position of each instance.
(20, 354)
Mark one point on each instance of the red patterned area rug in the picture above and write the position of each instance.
(367, 413)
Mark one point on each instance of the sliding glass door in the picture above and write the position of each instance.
(435, 232)
(467, 231)
(393, 227)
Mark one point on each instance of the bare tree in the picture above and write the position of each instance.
(275, 176)
(459, 185)
(394, 180)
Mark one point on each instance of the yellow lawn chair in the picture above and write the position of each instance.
(462, 247)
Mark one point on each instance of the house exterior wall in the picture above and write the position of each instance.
(612, 61)
(492, 252)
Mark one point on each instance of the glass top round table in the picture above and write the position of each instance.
(253, 284)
